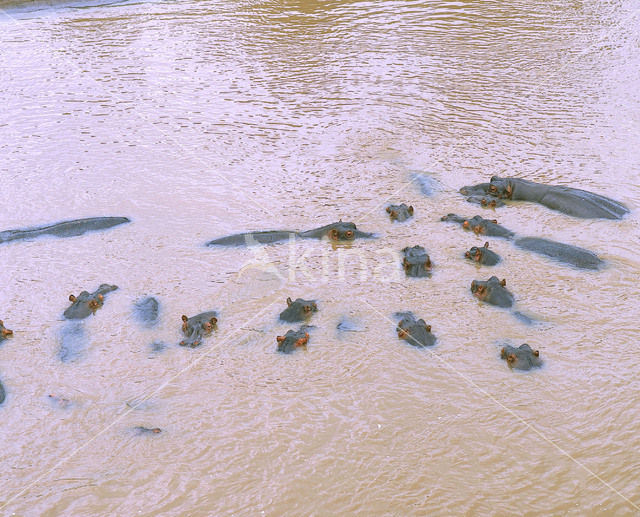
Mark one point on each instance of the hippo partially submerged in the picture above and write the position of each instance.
(565, 253)
(293, 340)
(64, 229)
(416, 262)
(483, 255)
(4, 332)
(299, 310)
(197, 327)
(340, 231)
(568, 200)
(415, 332)
(146, 310)
(492, 291)
(400, 212)
(87, 303)
(521, 358)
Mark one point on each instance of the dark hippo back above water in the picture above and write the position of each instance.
(64, 229)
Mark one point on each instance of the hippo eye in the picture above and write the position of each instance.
(349, 234)
(465, 224)
(334, 234)
(306, 308)
(493, 188)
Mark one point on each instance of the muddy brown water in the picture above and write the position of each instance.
(198, 119)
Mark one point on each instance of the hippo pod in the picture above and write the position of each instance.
(480, 226)
(568, 200)
(483, 255)
(400, 212)
(415, 332)
(87, 303)
(492, 291)
(197, 327)
(64, 229)
(521, 358)
(299, 310)
(416, 262)
(4, 332)
(292, 340)
(340, 231)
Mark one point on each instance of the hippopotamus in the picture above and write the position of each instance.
(416, 333)
(564, 253)
(4, 332)
(483, 255)
(416, 262)
(568, 200)
(300, 310)
(60, 402)
(480, 226)
(197, 327)
(73, 341)
(492, 291)
(141, 430)
(64, 229)
(400, 212)
(87, 303)
(521, 358)
(146, 311)
(340, 231)
(292, 340)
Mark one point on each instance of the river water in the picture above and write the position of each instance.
(198, 119)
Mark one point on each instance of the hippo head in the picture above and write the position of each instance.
(416, 333)
(492, 291)
(342, 231)
(500, 188)
(298, 310)
(416, 262)
(483, 255)
(521, 358)
(400, 212)
(4, 332)
(477, 224)
(292, 340)
(196, 328)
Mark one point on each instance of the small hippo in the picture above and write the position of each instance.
(492, 291)
(416, 333)
(292, 340)
(400, 212)
(483, 255)
(300, 310)
(197, 327)
(141, 430)
(521, 358)
(480, 226)
(4, 332)
(485, 201)
(416, 262)
(87, 303)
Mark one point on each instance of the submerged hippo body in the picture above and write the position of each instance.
(299, 310)
(573, 255)
(521, 358)
(64, 229)
(571, 201)
(4, 332)
(400, 212)
(480, 226)
(483, 255)
(340, 231)
(146, 311)
(415, 332)
(3, 394)
(74, 342)
(416, 262)
(86, 303)
(197, 327)
(492, 291)
(292, 340)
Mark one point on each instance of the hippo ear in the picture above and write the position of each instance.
(184, 318)
(388, 209)
(495, 178)
(536, 353)
(72, 298)
(509, 189)
(494, 221)
(410, 210)
(486, 244)
(503, 353)
(428, 328)
(213, 320)
(289, 302)
(503, 282)
(280, 339)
